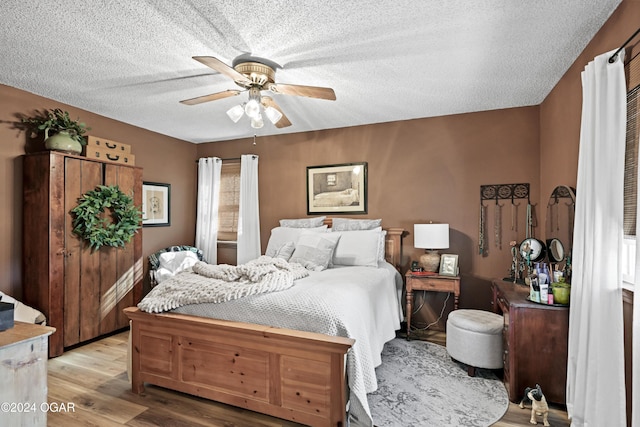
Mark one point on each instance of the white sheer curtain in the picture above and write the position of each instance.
(249, 212)
(207, 212)
(595, 371)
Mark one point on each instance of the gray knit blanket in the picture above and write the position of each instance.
(209, 283)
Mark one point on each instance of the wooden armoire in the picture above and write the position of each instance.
(81, 291)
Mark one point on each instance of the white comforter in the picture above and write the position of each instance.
(356, 302)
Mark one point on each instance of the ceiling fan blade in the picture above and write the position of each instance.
(267, 101)
(211, 97)
(308, 91)
(222, 68)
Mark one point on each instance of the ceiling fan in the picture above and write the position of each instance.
(255, 76)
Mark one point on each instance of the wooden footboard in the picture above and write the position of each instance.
(298, 376)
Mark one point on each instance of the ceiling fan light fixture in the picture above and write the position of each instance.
(254, 75)
(273, 114)
(235, 113)
(252, 108)
(257, 122)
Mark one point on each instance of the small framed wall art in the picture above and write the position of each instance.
(156, 204)
(448, 265)
(337, 189)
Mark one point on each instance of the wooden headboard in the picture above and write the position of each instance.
(393, 243)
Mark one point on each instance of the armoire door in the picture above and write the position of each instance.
(98, 284)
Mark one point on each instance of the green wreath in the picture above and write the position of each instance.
(115, 229)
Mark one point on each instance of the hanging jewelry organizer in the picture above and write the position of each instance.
(496, 193)
(553, 211)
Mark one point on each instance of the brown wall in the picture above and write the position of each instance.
(418, 170)
(561, 110)
(560, 126)
(164, 159)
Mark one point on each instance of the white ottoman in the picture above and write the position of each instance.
(474, 337)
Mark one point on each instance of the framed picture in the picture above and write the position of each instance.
(448, 265)
(337, 189)
(156, 206)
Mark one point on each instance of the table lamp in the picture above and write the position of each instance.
(430, 237)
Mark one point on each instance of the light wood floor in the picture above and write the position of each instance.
(93, 378)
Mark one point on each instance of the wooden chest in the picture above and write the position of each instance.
(23, 351)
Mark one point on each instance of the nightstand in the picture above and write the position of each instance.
(434, 283)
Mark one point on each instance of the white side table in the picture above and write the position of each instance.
(23, 369)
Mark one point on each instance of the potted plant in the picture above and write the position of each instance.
(66, 134)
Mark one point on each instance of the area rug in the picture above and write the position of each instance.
(420, 386)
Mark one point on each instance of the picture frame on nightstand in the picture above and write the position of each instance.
(448, 265)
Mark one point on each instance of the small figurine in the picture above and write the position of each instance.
(538, 404)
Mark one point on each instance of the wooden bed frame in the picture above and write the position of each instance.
(295, 375)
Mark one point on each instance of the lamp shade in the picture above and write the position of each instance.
(257, 122)
(431, 236)
(235, 113)
(252, 108)
(273, 115)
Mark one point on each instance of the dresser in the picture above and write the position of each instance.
(82, 292)
(535, 338)
(23, 369)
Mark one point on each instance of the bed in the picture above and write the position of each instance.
(288, 372)
(336, 198)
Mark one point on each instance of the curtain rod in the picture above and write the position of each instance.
(615, 55)
(253, 156)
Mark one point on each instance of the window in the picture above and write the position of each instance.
(631, 164)
(632, 72)
(229, 202)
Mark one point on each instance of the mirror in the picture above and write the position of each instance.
(559, 227)
(556, 250)
(533, 250)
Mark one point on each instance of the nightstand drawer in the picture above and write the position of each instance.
(432, 284)
(443, 282)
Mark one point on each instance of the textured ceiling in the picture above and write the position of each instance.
(386, 60)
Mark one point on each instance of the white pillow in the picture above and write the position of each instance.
(22, 312)
(285, 251)
(360, 248)
(172, 263)
(382, 246)
(282, 235)
(314, 250)
(347, 224)
(303, 222)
